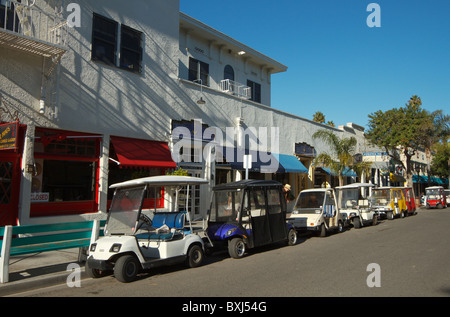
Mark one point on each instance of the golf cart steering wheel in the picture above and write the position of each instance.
(144, 219)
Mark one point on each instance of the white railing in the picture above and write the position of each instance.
(235, 88)
(24, 18)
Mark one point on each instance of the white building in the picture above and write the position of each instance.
(97, 103)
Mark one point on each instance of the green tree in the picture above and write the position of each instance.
(319, 117)
(401, 130)
(341, 155)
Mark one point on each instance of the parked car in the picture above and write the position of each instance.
(447, 195)
(353, 199)
(317, 210)
(435, 197)
(134, 241)
(246, 214)
(389, 201)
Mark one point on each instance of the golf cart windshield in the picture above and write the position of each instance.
(309, 202)
(381, 197)
(348, 198)
(125, 209)
(226, 205)
(433, 193)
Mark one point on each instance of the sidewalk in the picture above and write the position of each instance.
(38, 270)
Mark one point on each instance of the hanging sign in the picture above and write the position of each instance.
(8, 136)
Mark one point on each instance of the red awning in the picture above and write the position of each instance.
(142, 153)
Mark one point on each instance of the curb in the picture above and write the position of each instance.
(34, 283)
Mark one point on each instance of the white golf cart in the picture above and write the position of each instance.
(353, 199)
(317, 210)
(134, 241)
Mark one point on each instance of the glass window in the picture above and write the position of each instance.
(104, 40)
(228, 73)
(68, 180)
(274, 201)
(257, 203)
(226, 205)
(130, 49)
(198, 71)
(105, 44)
(255, 91)
(308, 202)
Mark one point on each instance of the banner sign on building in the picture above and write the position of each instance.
(8, 136)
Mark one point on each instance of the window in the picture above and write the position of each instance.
(105, 44)
(198, 71)
(130, 49)
(228, 73)
(255, 91)
(66, 177)
(104, 40)
(273, 201)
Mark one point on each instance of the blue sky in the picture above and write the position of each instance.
(336, 63)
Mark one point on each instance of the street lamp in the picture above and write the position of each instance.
(200, 101)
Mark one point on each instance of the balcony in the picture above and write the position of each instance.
(27, 28)
(235, 88)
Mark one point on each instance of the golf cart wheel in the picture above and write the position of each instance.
(126, 268)
(292, 237)
(356, 222)
(340, 226)
(390, 215)
(195, 256)
(236, 248)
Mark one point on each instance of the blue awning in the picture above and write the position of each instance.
(347, 172)
(264, 162)
(291, 164)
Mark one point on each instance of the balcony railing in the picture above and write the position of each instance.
(24, 26)
(235, 88)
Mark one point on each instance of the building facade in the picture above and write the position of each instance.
(105, 92)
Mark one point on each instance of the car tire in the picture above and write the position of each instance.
(292, 237)
(195, 256)
(340, 227)
(236, 248)
(127, 268)
(356, 222)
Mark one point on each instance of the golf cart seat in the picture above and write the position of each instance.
(169, 220)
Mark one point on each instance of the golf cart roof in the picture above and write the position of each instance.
(321, 189)
(246, 183)
(162, 180)
(355, 185)
(434, 187)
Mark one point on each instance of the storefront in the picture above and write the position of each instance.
(66, 173)
(11, 147)
(134, 158)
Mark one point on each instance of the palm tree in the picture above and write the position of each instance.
(341, 154)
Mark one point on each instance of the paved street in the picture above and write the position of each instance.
(412, 253)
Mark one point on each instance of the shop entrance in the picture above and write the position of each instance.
(9, 188)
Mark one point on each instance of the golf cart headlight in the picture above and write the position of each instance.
(93, 246)
(115, 247)
(230, 232)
